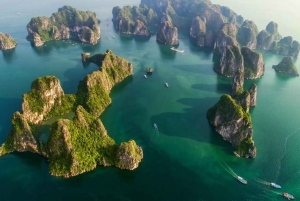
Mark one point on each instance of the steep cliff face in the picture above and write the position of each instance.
(21, 138)
(247, 34)
(266, 37)
(134, 20)
(237, 83)
(286, 46)
(234, 125)
(44, 94)
(253, 93)
(227, 55)
(83, 25)
(253, 64)
(286, 66)
(167, 34)
(198, 31)
(129, 155)
(93, 91)
(7, 42)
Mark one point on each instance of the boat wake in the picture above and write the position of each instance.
(285, 149)
(262, 181)
(228, 169)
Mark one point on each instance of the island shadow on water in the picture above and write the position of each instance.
(9, 55)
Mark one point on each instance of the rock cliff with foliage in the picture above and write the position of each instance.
(247, 34)
(167, 33)
(286, 46)
(234, 124)
(134, 20)
(227, 56)
(253, 64)
(237, 83)
(7, 42)
(67, 23)
(266, 37)
(78, 145)
(286, 66)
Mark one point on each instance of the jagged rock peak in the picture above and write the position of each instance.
(167, 34)
(253, 94)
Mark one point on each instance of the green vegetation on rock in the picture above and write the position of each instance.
(286, 66)
(7, 42)
(78, 145)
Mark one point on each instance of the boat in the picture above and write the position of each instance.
(275, 185)
(288, 196)
(113, 37)
(155, 126)
(242, 180)
(167, 85)
(176, 50)
(145, 76)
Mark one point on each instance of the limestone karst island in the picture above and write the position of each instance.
(80, 144)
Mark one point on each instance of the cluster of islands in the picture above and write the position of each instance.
(80, 144)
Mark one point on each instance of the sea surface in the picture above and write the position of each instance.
(184, 159)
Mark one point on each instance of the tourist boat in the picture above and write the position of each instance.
(275, 185)
(145, 76)
(113, 37)
(176, 50)
(288, 196)
(242, 180)
(155, 126)
(167, 85)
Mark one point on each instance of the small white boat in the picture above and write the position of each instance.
(242, 180)
(113, 37)
(288, 196)
(155, 126)
(275, 185)
(167, 85)
(145, 76)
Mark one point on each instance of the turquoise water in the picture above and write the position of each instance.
(185, 159)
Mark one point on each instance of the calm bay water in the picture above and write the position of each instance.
(186, 159)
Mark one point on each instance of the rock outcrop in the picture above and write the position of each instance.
(45, 93)
(286, 46)
(247, 34)
(134, 20)
(286, 66)
(198, 31)
(234, 125)
(7, 42)
(79, 145)
(237, 83)
(227, 56)
(253, 93)
(253, 64)
(266, 37)
(129, 155)
(167, 34)
(84, 27)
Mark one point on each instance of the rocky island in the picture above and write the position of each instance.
(232, 119)
(7, 42)
(80, 144)
(286, 66)
(67, 23)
